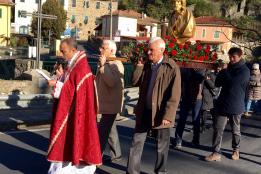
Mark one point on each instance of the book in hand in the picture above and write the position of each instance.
(43, 74)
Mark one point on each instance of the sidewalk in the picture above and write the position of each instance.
(20, 117)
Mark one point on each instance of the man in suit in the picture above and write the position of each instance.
(159, 95)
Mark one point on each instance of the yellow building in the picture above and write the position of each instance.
(5, 21)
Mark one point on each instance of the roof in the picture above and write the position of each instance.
(143, 19)
(6, 2)
(211, 20)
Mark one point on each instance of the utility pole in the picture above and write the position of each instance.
(111, 21)
(39, 27)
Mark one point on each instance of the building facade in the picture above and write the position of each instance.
(129, 23)
(216, 32)
(5, 19)
(83, 16)
(22, 24)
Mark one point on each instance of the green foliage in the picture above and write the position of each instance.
(190, 2)
(22, 42)
(249, 28)
(13, 41)
(57, 27)
(159, 9)
(130, 5)
(126, 50)
(203, 8)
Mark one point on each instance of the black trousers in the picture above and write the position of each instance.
(219, 126)
(162, 147)
(108, 134)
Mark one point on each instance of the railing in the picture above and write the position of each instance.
(128, 69)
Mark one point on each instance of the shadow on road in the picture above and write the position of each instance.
(32, 139)
(19, 159)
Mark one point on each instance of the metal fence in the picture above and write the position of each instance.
(128, 70)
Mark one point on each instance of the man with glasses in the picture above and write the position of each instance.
(230, 103)
(110, 88)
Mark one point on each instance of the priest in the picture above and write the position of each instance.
(74, 141)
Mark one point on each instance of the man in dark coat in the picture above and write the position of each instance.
(192, 82)
(159, 95)
(230, 103)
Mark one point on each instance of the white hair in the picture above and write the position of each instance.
(112, 46)
(255, 65)
(161, 44)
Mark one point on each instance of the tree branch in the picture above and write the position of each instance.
(249, 48)
(245, 29)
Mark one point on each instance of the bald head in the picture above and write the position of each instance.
(156, 49)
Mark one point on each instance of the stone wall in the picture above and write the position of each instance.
(15, 86)
(81, 10)
(31, 83)
(13, 68)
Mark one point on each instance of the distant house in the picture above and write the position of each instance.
(21, 24)
(214, 31)
(5, 19)
(129, 23)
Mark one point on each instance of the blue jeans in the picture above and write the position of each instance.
(250, 103)
(184, 111)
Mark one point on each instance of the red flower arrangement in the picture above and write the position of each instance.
(198, 52)
(187, 52)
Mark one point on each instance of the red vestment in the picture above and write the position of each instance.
(74, 135)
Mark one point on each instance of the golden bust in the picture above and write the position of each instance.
(182, 23)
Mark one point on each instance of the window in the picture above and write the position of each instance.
(85, 21)
(73, 3)
(0, 13)
(98, 21)
(204, 33)
(98, 5)
(23, 30)
(36, 1)
(73, 19)
(109, 6)
(22, 14)
(86, 4)
(216, 34)
(22, 0)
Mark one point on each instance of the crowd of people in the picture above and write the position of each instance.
(77, 141)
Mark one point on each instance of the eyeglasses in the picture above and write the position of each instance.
(103, 48)
(254, 69)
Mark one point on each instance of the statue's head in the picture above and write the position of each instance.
(178, 5)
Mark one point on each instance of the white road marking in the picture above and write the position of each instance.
(24, 131)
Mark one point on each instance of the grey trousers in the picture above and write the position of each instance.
(162, 146)
(108, 134)
(219, 127)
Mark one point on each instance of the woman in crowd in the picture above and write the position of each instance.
(254, 88)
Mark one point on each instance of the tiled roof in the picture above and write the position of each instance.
(133, 14)
(211, 20)
(7, 2)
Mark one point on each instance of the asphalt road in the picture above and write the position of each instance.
(24, 152)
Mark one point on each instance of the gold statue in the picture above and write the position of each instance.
(182, 23)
